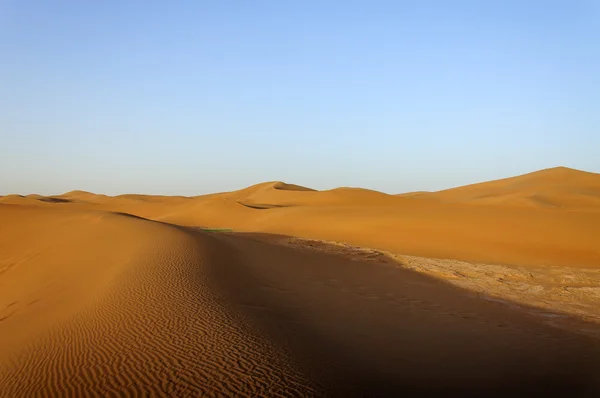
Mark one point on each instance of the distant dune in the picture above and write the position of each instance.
(446, 224)
(549, 217)
(272, 195)
(557, 187)
(290, 187)
(127, 295)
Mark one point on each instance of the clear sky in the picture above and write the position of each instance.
(191, 97)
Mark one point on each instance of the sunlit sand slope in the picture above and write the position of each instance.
(100, 304)
(550, 217)
(506, 234)
(557, 187)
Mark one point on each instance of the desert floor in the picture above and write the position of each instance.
(280, 290)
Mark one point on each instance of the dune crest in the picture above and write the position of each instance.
(558, 187)
(524, 226)
(78, 194)
(438, 224)
(272, 195)
(136, 314)
(558, 204)
(137, 295)
(290, 187)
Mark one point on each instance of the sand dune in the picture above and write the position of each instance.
(448, 224)
(290, 187)
(506, 234)
(170, 311)
(16, 199)
(558, 187)
(101, 303)
(126, 295)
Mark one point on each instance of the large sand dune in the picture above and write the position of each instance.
(126, 295)
(98, 304)
(558, 187)
(565, 235)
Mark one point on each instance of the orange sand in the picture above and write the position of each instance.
(125, 295)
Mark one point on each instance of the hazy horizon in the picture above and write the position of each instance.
(195, 98)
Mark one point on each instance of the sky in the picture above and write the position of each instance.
(193, 97)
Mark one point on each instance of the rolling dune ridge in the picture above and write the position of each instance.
(131, 295)
(149, 323)
(417, 225)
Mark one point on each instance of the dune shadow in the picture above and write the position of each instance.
(366, 328)
(282, 186)
(265, 206)
(54, 200)
(129, 215)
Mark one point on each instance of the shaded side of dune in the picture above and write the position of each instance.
(369, 328)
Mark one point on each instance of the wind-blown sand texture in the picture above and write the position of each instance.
(485, 289)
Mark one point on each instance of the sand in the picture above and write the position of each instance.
(99, 304)
(486, 289)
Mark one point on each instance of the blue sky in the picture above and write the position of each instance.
(191, 97)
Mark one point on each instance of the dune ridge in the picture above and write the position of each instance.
(130, 296)
(153, 325)
(178, 312)
(560, 187)
(412, 225)
(484, 222)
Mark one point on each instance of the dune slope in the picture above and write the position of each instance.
(453, 224)
(98, 304)
(489, 234)
(362, 326)
(559, 224)
(560, 187)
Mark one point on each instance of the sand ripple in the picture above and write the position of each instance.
(159, 329)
